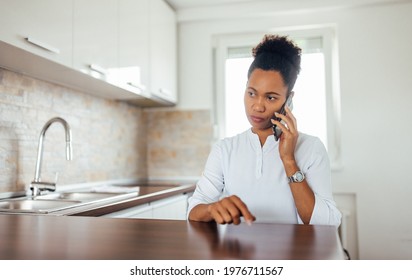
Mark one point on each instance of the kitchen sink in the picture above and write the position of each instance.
(99, 195)
(52, 202)
(150, 184)
(28, 205)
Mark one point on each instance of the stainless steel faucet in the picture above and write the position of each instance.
(37, 185)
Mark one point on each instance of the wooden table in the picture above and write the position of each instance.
(89, 238)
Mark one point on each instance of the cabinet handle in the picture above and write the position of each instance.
(42, 45)
(165, 91)
(98, 69)
(162, 99)
(140, 87)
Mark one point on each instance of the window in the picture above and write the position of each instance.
(315, 104)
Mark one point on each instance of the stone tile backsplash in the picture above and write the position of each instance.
(111, 140)
(179, 144)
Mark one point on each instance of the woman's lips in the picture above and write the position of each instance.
(257, 119)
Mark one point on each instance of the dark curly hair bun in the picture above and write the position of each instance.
(277, 53)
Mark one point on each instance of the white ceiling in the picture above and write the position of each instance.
(185, 4)
(190, 4)
(196, 10)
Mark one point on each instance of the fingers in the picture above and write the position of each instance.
(292, 117)
(244, 211)
(229, 210)
(289, 137)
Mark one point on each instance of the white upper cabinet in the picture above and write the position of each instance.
(133, 45)
(147, 47)
(42, 27)
(163, 50)
(95, 36)
(126, 48)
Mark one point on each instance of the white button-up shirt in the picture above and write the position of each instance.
(240, 166)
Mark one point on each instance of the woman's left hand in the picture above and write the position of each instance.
(289, 137)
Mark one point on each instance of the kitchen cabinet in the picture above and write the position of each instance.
(147, 46)
(42, 27)
(143, 211)
(173, 208)
(133, 44)
(95, 36)
(163, 50)
(115, 49)
(129, 43)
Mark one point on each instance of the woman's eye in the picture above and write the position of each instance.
(251, 93)
(271, 98)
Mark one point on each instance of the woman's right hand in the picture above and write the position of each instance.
(229, 210)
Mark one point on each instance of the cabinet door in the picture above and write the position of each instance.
(95, 36)
(133, 44)
(174, 208)
(143, 211)
(42, 27)
(163, 50)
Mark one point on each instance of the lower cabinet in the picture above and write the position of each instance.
(143, 211)
(172, 208)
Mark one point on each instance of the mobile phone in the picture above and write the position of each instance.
(277, 132)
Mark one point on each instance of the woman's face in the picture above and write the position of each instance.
(265, 94)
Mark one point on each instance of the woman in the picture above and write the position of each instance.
(256, 176)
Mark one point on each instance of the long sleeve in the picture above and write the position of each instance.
(210, 186)
(318, 176)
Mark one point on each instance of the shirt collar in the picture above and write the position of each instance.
(270, 142)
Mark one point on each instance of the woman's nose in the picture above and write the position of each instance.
(259, 106)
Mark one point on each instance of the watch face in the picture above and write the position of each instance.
(299, 177)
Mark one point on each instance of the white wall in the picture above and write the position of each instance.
(375, 43)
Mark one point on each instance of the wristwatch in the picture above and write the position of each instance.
(298, 177)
